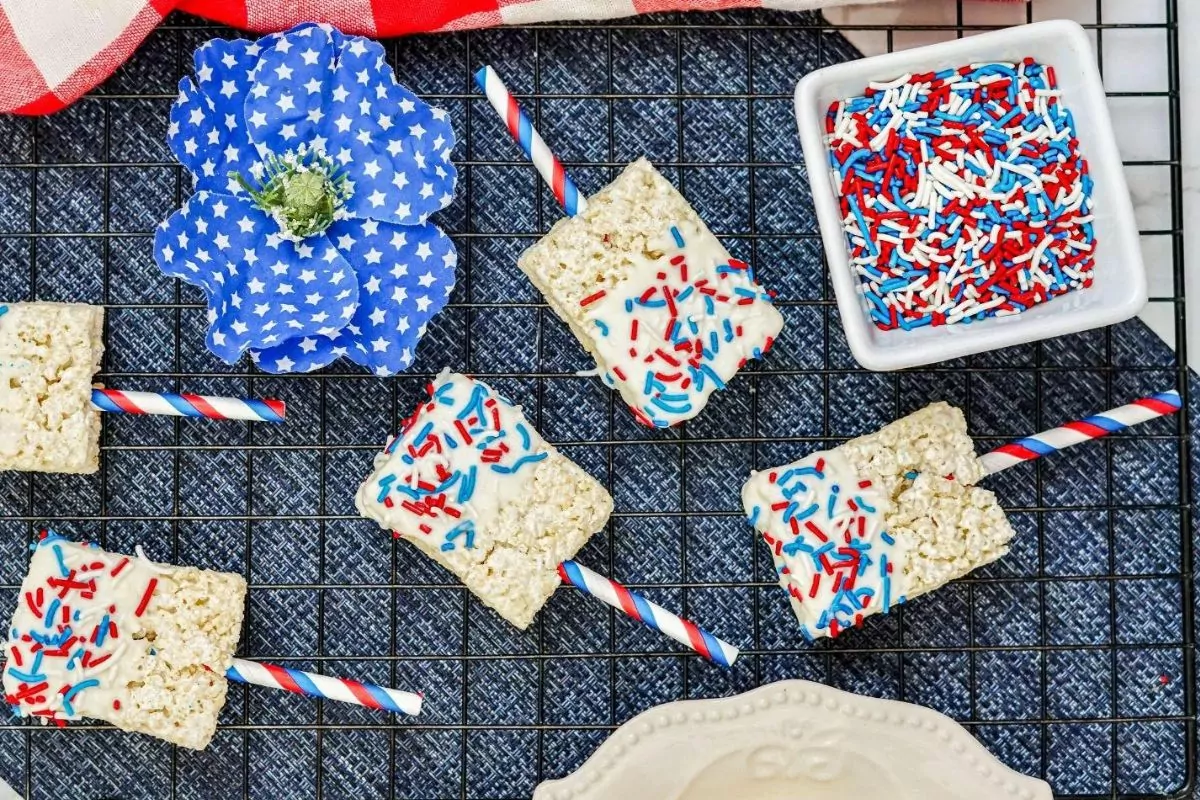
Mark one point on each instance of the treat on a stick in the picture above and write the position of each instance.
(856, 530)
(668, 314)
(147, 647)
(471, 483)
(859, 529)
(49, 409)
(141, 645)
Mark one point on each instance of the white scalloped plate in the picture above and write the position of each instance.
(789, 740)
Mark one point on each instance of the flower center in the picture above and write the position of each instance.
(302, 190)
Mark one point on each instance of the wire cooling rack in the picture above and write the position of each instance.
(1070, 659)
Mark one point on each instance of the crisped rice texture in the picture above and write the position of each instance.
(190, 633)
(598, 248)
(514, 567)
(49, 353)
(947, 529)
(933, 440)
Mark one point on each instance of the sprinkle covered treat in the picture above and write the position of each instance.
(472, 484)
(668, 314)
(141, 645)
(859, 529)
(49, 353)
(963, 194)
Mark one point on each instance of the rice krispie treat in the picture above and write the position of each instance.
(859, 529)
(49, 353)
(668, 314)
(472, 485)
(141, 645)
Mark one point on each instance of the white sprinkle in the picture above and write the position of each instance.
(901, 81)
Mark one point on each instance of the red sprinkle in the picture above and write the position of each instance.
(145, 601)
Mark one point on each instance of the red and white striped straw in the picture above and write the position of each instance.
(1084, 430)
(311, 684)
(651, 614)
(527, 137)
(115, 401)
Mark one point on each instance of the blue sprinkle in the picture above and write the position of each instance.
(103, 631)
(602, 326)
(682, 408)
(520, 462)
(467, 488)
(677, 236)
(27, 677)
(420, 437)
(465, 529)
(62, 564)
(790, 512)
(76, 689)
(711, 373)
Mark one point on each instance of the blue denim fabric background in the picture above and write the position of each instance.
(1066, 658)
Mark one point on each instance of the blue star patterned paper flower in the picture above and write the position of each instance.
(315, 174)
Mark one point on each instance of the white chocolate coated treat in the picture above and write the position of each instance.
(668, 314)
(471, 483)
(825, 528)
(679, 325)
(142, 645)
(920, 513)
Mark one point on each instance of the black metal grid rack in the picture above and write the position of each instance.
(110, 141)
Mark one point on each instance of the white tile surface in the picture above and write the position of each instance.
(1133, 60)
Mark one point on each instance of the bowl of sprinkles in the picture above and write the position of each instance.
(975, 197)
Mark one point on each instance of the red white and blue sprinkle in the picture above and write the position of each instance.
(680, 327)
(77, 628)
(462, 436)
(963, 194)
(824, 528)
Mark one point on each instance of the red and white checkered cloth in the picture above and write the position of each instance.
(51, 52)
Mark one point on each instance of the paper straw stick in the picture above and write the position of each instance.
(115, 401)
(1084, 430)
(313, 685)
(522, 131)
(653, 615)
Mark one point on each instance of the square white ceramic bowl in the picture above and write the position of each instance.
(1118, 290)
